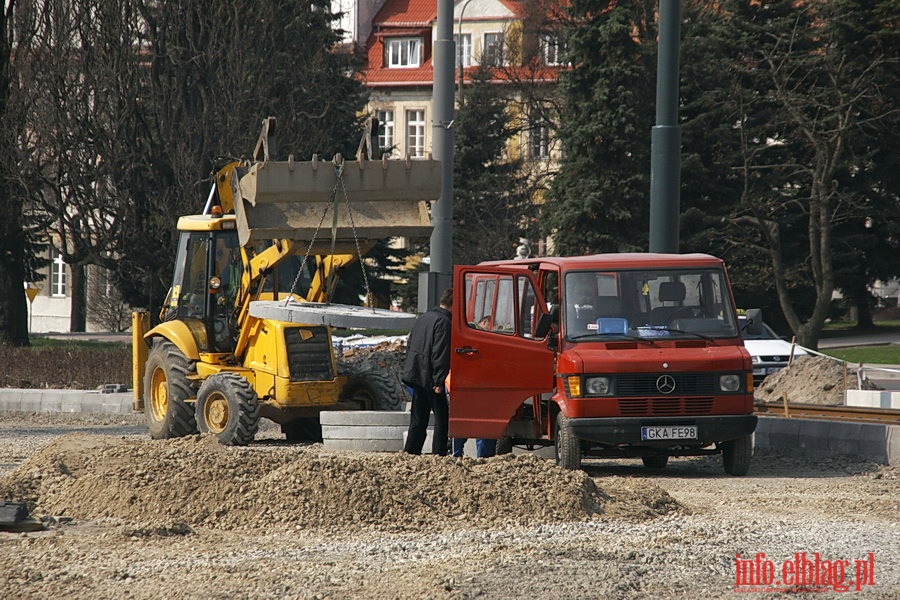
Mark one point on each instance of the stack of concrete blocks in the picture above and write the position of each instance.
(66, 401)
(373, 431)
(366, 430)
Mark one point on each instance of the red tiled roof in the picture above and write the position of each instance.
(400, 77)
(412, 17)
(407, 13)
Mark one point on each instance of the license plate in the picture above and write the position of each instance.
(669, 432)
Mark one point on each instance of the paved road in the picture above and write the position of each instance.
(869, 339)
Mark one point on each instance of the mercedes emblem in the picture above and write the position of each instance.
(665, 384)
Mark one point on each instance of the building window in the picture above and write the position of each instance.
(540, 139)
(493, 50)
(415, 133)
(552, 49)
(463, 49)
(57, 275)
(403, 52)
(385, 132)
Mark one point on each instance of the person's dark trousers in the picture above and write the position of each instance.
(485, 448)
(425, 402)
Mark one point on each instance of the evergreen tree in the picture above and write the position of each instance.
(599, 200)
(492, 204)
(786, 146)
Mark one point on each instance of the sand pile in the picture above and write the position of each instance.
(175, 485)
(811, 380)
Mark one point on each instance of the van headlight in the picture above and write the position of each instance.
(730, 383)
(598, 386)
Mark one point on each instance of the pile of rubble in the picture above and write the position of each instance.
(177, 485)
(812, 380)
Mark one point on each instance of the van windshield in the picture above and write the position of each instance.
(648, 304)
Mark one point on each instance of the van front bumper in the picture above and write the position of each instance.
(627, 430)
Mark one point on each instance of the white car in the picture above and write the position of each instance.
(770, 353)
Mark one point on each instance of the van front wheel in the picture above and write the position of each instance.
(736, 455)
(568, 450)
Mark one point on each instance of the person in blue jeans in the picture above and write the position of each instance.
(484, 448)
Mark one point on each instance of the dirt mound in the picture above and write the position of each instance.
(171, 486)
(811, 380)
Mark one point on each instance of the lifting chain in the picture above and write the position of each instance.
(338, 162)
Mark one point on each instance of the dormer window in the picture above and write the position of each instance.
(403, 53)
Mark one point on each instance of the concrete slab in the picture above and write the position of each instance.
(343, 432)
(69, 401)
(366, 418)
(822, 439)
(364, 445)
(335, 315)
(872, 398)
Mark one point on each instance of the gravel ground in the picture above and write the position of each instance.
(190, 519)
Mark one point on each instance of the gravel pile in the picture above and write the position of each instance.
(197, 482)
(812, 380)
(168, 520)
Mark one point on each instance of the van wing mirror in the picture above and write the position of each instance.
(546, 321)
(754, 324)
(543, 325)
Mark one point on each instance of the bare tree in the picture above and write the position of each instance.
(107, 310)
(822, 101)
(20, 220)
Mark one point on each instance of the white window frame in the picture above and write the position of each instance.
(539, 142)
(492, 51)
(385, 131)
(403, 53)
(57, 275)
(551, 49)
(464, 49)
(415, 132)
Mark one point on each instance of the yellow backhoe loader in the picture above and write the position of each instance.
(245, 332)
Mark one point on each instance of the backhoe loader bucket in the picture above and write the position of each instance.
(298, 201)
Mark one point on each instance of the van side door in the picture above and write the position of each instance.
(496, 360)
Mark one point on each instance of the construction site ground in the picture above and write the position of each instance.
(128, 517)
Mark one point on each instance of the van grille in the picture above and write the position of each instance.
(309, 359)
(665, 407)
(686, 384)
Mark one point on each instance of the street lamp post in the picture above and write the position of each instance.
(665, 137)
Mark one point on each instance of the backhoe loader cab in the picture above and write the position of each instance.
(207, 276)
(245, 331)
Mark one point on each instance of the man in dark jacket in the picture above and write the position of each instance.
(426, 366)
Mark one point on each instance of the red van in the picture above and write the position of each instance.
(610, 355)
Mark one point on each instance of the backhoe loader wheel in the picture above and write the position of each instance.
(228, 407)
(373, 390)
(568, 449)
(166, 390)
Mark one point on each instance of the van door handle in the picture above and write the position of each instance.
(467, 350)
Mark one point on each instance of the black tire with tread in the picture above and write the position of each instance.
(655, 463)
(568, 448)
(235, 405)
(736, 455)
(166, 390)
(504, 446)
(373, 390)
